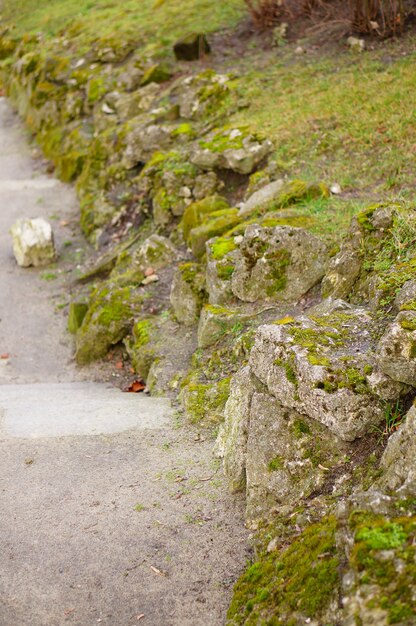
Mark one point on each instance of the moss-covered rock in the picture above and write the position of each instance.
(203, 95)
(77, 312)
(398, 460)
(205, 402)
(188, 292)
(157, 73)
(222, 253)
(143, 348)
(215, 224)
(216, 321)
(108, 319)
(397, 349)
(279, 195)
(316, 365)
(378, 535)
(298, 584)
(197, 212)
(231, 148)
(376, 258)
(277, 264)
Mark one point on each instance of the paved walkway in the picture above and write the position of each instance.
(109, 513)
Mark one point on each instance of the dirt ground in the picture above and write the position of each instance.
(116, 528)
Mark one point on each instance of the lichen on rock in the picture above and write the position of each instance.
(277, 264)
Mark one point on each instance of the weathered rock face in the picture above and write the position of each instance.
(188, 292)
(344, 270)
(222, 253)
(215, 321)
(399, 459)
(280, 194)
(131, 266)
(277, 264)
(324, 367)
(231, 444)
(199, 95)
(313, 384)
(143, 141)
(397, 349)
(376, 540)
(406, 296)
(230, 149)
(288, 457)
(109, 316)
(33, 242)
(156, 252)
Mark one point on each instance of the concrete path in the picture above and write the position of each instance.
(110, 513)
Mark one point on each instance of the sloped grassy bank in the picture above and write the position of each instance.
(226, 281)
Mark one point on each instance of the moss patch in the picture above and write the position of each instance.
(300, 580)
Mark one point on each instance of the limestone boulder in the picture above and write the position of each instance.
(397, 349)
(288, 457)
(368, 229)
(33, 242)
(215, 321)
(231, 149)
(222, 253)
(376, 540)
(109, 317)
(406, 296)
(231, 443)
(143, 141)
(262, 197)
(188, 292)
(277, 264)
(280, 194)
(325, 367)
(399, 459)
(156, 251)
(199, 95)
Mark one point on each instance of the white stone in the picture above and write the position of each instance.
(33, 242)
(357, 45)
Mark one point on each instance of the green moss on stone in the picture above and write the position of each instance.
(408, 324)
(76, 314)
(205, 401)
(195, 212)
(277, 463)
(301, 579)
(379, 544)
(409, 306)
(221, 246)
(300, 428)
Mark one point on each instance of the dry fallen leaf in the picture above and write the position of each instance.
(141, 616)
(119, 365)
(69, 611)
(5, 355)
(136, 386)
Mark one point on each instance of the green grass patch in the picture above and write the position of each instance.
(158, 23)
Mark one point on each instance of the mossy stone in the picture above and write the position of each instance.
(158, 73)
(76, 314)
(196, 212)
